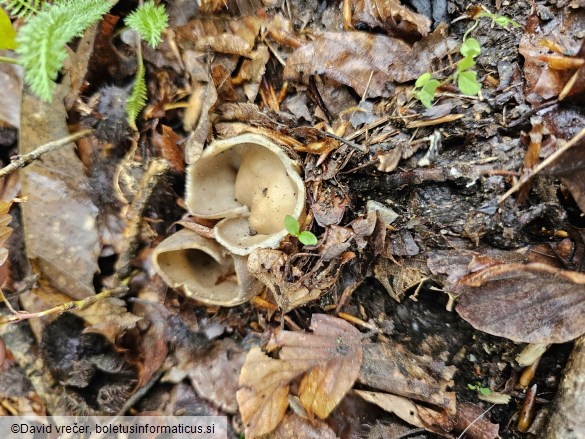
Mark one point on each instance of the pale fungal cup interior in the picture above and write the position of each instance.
(197, 271)
(251, 184)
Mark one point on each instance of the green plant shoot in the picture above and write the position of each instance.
(21, 8)
(465, 77)
(149, 21)
(293, 227)
(485, 391)
(43, 38)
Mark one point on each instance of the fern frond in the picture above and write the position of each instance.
(42, 40)
(149, 21)
(21, 8)
(137, 99)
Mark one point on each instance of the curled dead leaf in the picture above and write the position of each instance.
(529, 303)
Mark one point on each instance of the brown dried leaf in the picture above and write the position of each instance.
(391, 16)
(215, 374)
(10, 93)
(472, 416)
(335, 346)
(294, 427)
(393, 369)
(263, 395)
(109, 318)
(167, 147)
(268, 267)
(362, 60)
(544, 80)
(5, 233)
(337, 239)
(234, 36)
(402, 407)
(329, 206)
(529, 303)
(59, 217)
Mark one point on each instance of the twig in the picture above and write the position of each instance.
(550, 159)
(67, 306)
(360, 148)
(25, 160)
(150, 179)
(9, 60)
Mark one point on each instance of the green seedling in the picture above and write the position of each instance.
(465, 76)
(149, 21)
(500, 20)
(293, 227)
(485, 391)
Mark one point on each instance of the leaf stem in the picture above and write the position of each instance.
(9, 60)
(24, 160)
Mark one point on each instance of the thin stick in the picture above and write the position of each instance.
(9, 60)
(360, 148)
(24, 160)
(551, 158)
(74, 304)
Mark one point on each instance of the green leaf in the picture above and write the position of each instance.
(466, 63)
(422, 80)
(7, 32)
(149, 21)
(21, 8)
(467, 83)
(470, 47)
(137, 99)
(505, 21)
(42, 40)
(307, 238)
(484, 391)
(291, 225)
(471, 387)
(427, 93)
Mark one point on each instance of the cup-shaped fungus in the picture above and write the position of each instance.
(203, 270)
(249, 183)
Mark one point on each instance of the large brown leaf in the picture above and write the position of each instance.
(336, 346)
(263, 394)
(391, 16)
(332, 354)
(530, 303)
(391, 368)
(367, 61)
(59, 217)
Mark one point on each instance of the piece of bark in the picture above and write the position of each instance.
(566, 420)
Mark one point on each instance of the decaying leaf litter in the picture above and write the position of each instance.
(447, 276)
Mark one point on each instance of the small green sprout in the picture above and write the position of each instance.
(293, 227)
(465, 76)
(485, 391)
(425, 88)
(500, 20)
